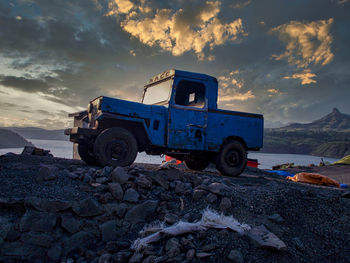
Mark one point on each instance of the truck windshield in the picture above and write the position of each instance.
(157, 94)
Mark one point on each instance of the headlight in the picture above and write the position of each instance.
(89, 109)
(99, 104)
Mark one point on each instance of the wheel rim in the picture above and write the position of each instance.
(117, 150)
(233, 158)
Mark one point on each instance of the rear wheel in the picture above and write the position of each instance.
(86, 153)
(115, 147)
(232, 159)
(196, 162)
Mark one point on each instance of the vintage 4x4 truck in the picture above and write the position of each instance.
(178, 116)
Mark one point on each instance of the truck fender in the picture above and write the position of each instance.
(137, 126)
(235, 138)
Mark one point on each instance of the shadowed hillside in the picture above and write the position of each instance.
(39, 133)
(10, 139)
(328, 136)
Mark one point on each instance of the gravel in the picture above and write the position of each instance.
(80, 213)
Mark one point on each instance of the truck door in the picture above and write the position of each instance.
(187, 115)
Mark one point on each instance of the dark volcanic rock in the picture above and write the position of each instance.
(81, 239)
(276, 218)
(211, 198)
(70, 224)
(44, 174)
(137, 257)
(119, 175)
(87, 207)
(160, 180)
(37, 221)
(235, 256)
(131, 195)
(109, 231)
(22, 250)
(143, 182)
(101, 180)
(140, 213)
(5, 228)
(37, 239)
(55, 252)
(219, 188)
(122, 256)
(116, 190)
(173, 247)
(48, 205)
(171, 218)
(121, 210)
(346, 194)
(89, 231)
(265, 238)
(198, 193)
(225, 204)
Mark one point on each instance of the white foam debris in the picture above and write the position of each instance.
(210, 219)
(152, 228)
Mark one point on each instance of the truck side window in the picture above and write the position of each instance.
(190, 93)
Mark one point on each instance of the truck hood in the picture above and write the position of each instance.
(130, 108)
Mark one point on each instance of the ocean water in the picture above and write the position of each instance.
(64, 149)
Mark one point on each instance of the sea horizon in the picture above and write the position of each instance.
(64, 149)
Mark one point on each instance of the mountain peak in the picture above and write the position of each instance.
(334, 121)
(335, 111)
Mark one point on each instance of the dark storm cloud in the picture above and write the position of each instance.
(72, 36)
(24, 84)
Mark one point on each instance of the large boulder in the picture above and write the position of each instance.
(81, 239)
(119, 175)
(131, 196)
(265, 239)
(219, 188)
(71, 224)
(87, 207)
(37, 239)
(48, 205)
(109, 231)
(116, 190)
(37, 221)
(140, 213)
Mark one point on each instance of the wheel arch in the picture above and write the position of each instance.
(135, 127)
(235, 138)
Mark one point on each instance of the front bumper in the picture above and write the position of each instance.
(78, 134)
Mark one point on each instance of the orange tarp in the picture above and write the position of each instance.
(313, 178)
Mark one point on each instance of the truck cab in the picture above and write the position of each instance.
(178, 116)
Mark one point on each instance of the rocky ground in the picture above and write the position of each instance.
(57, 210)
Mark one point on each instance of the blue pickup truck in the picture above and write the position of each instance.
(178, 116)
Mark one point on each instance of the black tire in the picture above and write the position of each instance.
(86, 153)
(115, 147)
(197, 163)
(232, 159)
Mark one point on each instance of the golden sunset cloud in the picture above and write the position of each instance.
(306, 43)
(177, 31)
(306, 77)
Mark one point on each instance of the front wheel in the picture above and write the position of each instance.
(115, 147)
(86, 153)
(232, 159)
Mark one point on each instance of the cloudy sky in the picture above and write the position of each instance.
(288, 60)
